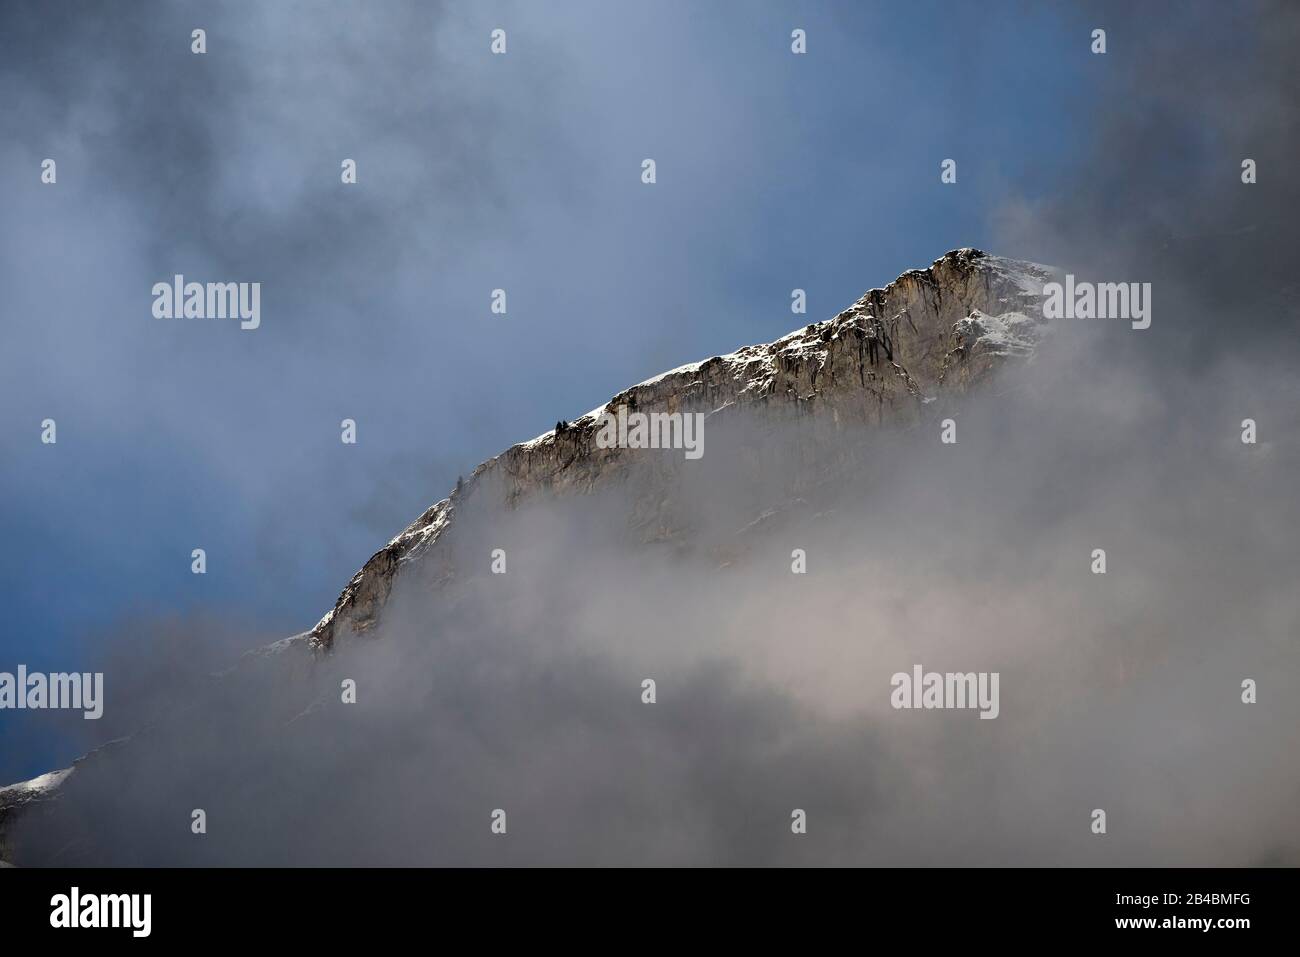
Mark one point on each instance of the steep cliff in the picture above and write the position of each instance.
(925, 338)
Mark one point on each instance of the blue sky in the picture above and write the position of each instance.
(522, 171)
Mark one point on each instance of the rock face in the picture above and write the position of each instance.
(925, 338)
(896, 357)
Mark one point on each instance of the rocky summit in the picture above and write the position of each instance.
(917, 343)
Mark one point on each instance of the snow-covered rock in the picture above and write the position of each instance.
(931, 332)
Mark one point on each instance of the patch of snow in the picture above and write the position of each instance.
(689, 367)
(1008, 334)
(38, 785)
(1030, 277)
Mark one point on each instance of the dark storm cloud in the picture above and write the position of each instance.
(237, 152)
(1183, 97)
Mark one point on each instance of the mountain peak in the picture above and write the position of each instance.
(929, 334)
